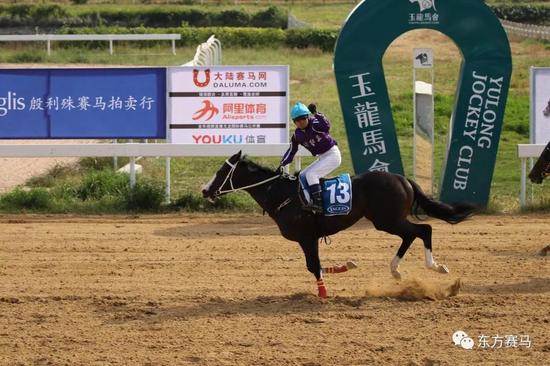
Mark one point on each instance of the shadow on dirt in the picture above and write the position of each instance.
(121, 311)
(305, 306)
(231, 227)
(533, 286)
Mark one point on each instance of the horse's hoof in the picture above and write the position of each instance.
(396, 274)
(351, 265)
(441, 268)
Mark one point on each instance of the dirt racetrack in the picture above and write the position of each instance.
(228, 290)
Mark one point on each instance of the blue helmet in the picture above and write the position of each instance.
(299, 110)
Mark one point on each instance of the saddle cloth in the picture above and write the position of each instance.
(337, 194)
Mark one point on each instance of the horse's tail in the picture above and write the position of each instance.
(453, 213)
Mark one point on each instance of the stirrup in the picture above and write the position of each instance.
(313, 209)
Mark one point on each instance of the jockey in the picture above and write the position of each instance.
(312, 132)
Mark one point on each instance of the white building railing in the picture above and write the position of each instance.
(526, 30)
(208, 53)
(48, 38)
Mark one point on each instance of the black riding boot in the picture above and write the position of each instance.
(317, 198)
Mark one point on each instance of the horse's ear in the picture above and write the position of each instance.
(236, 157)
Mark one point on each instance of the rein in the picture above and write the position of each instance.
(230, 177)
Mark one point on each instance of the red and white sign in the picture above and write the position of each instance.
(228, 104)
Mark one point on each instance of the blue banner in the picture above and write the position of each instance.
(126, 103)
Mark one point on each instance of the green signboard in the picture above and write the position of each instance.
(480, 98)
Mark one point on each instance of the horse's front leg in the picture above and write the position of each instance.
(311, 251)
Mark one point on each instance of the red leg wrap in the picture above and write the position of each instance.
(322, 289)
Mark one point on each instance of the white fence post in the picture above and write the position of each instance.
(132, 172)
(526, 151)
(168, 180)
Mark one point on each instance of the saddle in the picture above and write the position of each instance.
(337, 194)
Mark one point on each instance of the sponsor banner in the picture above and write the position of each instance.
(83, 103)
(228, 105)
(481, 95)
(540, 105)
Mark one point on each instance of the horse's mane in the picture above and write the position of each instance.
(257, 166)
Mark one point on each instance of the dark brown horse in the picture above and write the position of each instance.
(385, 199)
(541, 169)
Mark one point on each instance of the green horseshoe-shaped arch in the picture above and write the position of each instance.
(479, 101)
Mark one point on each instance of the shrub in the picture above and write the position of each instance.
(273, 17)
(27, 57)
(50, 177)
(55, 15)
(34, 199)
(147, 195)
(96, 163)
(99, 184)
(194, 202)
(303, 38)
(233, 37)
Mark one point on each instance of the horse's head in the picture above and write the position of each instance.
(541, 169)
(539, 172)
(221, 181)
(237, 174)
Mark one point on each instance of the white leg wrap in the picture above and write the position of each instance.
(430, 263)
(394, 266)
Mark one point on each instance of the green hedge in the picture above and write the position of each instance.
(51, 16)
(531, 14)
(230, 37)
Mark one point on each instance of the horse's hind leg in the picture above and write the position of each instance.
(408, 231)
(429, 260)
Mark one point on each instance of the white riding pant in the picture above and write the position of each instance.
(325, 163)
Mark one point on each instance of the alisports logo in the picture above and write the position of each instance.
(208, 109)
(425, 4)
(203, 81)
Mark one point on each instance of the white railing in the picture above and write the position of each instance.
(132, 150)
(48, 38)
(526, 30)
(526, 151)
(208, 53)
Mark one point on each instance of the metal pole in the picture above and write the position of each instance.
(523, 181)
(111, 47)
(132, 172)
(167, 195)
(115, 158)
(414, 123)
(298, 163)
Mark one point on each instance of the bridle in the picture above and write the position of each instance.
(229, 176)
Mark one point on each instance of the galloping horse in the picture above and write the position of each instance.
(541, 169)
(385, 199)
